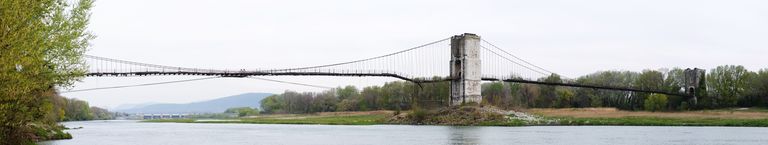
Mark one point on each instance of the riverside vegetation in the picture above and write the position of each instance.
(41, 48)
(727, 86)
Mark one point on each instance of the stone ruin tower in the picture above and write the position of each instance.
(465, 69)
(693, 80)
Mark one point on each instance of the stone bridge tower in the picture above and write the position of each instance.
(694, 81)
(465, 69)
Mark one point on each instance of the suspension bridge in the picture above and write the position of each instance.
(464, 60)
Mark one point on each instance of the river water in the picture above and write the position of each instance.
(137, 133)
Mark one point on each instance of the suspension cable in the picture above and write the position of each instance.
(518, 58)
(139, 85)
(361, 60)
(145, 64)
(286, 82)
(510, 60)
(189, 80)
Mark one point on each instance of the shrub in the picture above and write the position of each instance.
(655, 102)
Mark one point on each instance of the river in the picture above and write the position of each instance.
(135, 133)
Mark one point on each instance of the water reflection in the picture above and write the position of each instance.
(464, 135)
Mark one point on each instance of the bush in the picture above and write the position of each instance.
(418, 115)
(655, 102)
(684, 106)
(243, 111)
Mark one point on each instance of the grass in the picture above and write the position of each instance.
(329, 120)
(369, 119)
(610, 116)
(659, 121)
(614, 113)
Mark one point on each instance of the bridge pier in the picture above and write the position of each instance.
(694, 79)
(465, 69)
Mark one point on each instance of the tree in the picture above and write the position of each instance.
(347, 92)
(272, 104)
(759, 87)
(347, 105)
(655, 102)
(647, 80)
(515, 99)
(728, 83)
(325, 102)
(674, 82)
(41, 44)
(529, 94)
(548, 94)
(493, 93)
(77, 110)
(371, 98)
(607, 98)
(243, 111)
(565, 98)
(101, 114)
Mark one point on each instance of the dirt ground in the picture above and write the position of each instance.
(615, 113)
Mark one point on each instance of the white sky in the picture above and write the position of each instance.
(567, 37)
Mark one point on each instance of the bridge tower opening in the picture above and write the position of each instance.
(465, 69)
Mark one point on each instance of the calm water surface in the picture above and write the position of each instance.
(136, 133)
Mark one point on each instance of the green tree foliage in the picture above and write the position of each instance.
(397, 95)
(548, 93)
(759, 88)
(371, 98)
(674, 82)
(647, 80)
(77, 110)
(347, 105)
(324, 102)
(529, 93)
(65, 109)
(655, 102)
(101, 114)
(494, 93)
(405, 95)
(431, 95)
(41, 43)
(243, 111)
(272, 104)
(606, 98)
(347, 92)
(728, 83)
(565, 98)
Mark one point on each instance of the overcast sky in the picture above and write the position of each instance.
(572, 38)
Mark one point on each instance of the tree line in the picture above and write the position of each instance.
(66, 109)
(724, 86)
(396, 95)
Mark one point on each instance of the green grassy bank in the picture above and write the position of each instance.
(659, 121)
(328, 120)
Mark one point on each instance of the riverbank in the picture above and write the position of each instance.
(747, 117)
(455, 116)
(539, 117)
(325, 118)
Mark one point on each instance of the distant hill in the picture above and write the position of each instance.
(211, 106)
